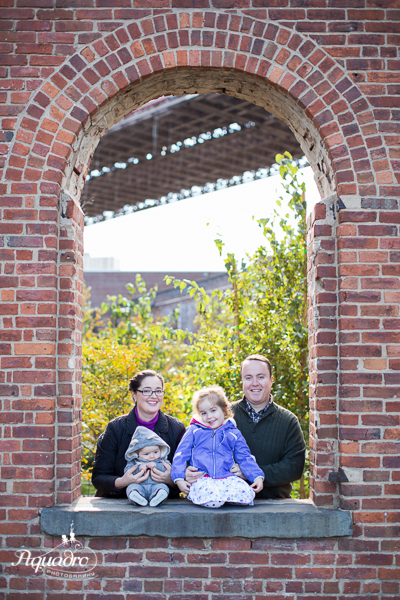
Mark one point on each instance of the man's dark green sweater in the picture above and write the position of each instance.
(278, 445)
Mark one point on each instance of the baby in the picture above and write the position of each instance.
(147, 450)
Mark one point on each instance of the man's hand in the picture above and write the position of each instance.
(236, 470)
(162, 476)
(192, 474)
(129, 477)
(258, 484)
(183, 485)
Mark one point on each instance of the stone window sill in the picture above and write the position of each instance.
(108, 517)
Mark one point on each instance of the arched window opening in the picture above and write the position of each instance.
(171, 149)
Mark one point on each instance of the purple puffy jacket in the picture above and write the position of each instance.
(214, 451)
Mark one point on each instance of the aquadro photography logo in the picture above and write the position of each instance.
(68, 560)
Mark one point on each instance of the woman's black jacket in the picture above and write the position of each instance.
(109, 462)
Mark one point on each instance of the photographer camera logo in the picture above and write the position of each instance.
(68, 560)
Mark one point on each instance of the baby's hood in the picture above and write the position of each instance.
(145, 437)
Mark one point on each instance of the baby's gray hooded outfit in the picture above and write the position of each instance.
(141, 438)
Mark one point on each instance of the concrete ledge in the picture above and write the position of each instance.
(107, 517)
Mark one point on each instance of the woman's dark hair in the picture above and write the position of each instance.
(136, 381)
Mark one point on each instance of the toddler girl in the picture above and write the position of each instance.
(213, 443)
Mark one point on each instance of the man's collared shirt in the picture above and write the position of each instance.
(253, 414)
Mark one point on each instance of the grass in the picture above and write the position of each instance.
(296, 484)
(296, 487)
(87, 488)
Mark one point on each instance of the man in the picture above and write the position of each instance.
(272, 432)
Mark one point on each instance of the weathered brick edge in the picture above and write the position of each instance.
(64, 74)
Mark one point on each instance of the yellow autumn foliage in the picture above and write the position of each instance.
(106, 370)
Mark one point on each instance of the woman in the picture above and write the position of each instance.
(109, 479)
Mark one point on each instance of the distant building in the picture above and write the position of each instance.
(103, 264)
(111, 283)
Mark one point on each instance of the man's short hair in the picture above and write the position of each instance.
(259, 357)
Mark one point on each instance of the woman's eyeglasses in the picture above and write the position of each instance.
(148, 392)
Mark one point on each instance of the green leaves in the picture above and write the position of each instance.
(220, 244)
(262, 312)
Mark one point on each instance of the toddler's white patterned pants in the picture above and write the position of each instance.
(213, 493)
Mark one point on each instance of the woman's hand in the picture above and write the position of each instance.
(192, 474)
(183, 485)
(236, 470)
(162, 476)
(129, 477)
(258, 484)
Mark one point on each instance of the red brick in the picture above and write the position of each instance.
(272, 572)
(368, 298)
(150, 572)
(248, 558)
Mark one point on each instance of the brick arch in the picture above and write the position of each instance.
(285, 72)
(265, 63)
(354, 268)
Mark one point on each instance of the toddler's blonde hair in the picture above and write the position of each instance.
(216, 395)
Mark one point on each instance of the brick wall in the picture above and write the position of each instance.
(330, 69)
(179, 569)
(237, 569)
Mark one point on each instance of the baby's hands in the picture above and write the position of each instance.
(183, 485)
(162, 476)
(258, 484)
(131, 477)
(150, 465)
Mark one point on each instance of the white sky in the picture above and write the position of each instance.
(176, 237)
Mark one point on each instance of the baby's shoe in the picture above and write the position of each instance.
(158, 497)
(137, 498)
